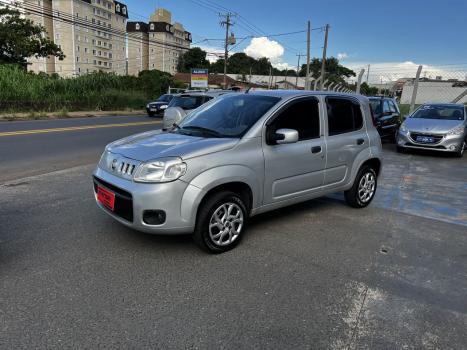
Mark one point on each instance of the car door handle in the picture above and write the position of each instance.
(360, 141)
(316, 149)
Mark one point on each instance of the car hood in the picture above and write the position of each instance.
(158, 103)
(438, 126)
(157, 144)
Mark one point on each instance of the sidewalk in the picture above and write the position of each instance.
(62, 115)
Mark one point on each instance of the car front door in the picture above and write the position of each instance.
(294, 169)
(346, 137)
(389, 119)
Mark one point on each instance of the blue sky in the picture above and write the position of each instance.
(363, 32)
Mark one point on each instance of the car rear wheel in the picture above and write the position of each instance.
(364, 188)
(221, 222)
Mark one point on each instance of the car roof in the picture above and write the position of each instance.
(214, 93)
(444, 104)
(304, 93)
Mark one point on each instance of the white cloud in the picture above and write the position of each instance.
(283, 65)
(391, 71)
(263, 47)
(258, 48)
(342, 56)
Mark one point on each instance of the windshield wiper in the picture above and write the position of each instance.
(204, 130)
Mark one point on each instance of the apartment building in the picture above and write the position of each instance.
(91, 34)
(157, 44)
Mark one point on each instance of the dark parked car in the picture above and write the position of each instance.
(158, 107)
(387, 116)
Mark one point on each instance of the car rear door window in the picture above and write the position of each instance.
(302, 116)
(344, 115)
(386, 107)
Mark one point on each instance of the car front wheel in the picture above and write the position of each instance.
(221, 222)
(460, 152)
(364, 188)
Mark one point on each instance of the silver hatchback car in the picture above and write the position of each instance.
(435, 127)
(237, 156)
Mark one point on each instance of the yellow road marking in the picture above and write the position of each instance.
(74, 128)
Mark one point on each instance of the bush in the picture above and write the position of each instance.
(22, 91)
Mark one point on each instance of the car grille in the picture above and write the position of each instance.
(436, 138)
(123, 200)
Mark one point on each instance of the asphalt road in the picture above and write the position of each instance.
(36, 147)
(318, 275)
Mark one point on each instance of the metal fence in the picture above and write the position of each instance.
(414, 85)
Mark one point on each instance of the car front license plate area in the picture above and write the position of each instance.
(106, 198)
(425, 139)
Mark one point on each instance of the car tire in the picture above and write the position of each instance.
(460, 152)
(216, 231)
(364, 188)
(394, 136)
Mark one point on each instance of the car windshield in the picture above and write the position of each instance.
(165, 98)
(188, 102)
(229, 116)
(375, 104)
(439, 112)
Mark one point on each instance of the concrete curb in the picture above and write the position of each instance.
(60, 115)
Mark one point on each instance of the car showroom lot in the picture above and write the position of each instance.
(315, 275)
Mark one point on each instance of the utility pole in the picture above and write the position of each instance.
(323, 62)
(227, 23)
(308, 48)
(250, 73)
(368, 74)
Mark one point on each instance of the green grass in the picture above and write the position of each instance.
(27, 92)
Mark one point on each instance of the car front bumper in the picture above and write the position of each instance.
(134, 199)
(447, 143)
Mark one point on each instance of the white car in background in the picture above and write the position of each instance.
(183, 104)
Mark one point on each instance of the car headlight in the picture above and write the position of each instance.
(148, 106)
(163, 107)
(457, 130)
(105, 159)
(403, 128)
(160, 170)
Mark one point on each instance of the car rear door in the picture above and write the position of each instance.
(346, 137)
(295, 169)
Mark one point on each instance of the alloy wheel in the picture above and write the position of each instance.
(366, 187)
(226, 224)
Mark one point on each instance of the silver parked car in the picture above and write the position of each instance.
(184, 103)
(239, 156)
(437, 127)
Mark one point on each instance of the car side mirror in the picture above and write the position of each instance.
(284, 136)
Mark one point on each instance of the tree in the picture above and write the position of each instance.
(193, 58)
(368, 90)
(335, 72)
(21, 38)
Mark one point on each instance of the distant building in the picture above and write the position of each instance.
(91, 34)
(157, 44)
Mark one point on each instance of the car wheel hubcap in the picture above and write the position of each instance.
(226, 224)
(366, 187)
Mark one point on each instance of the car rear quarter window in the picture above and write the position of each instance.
(344, 115)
